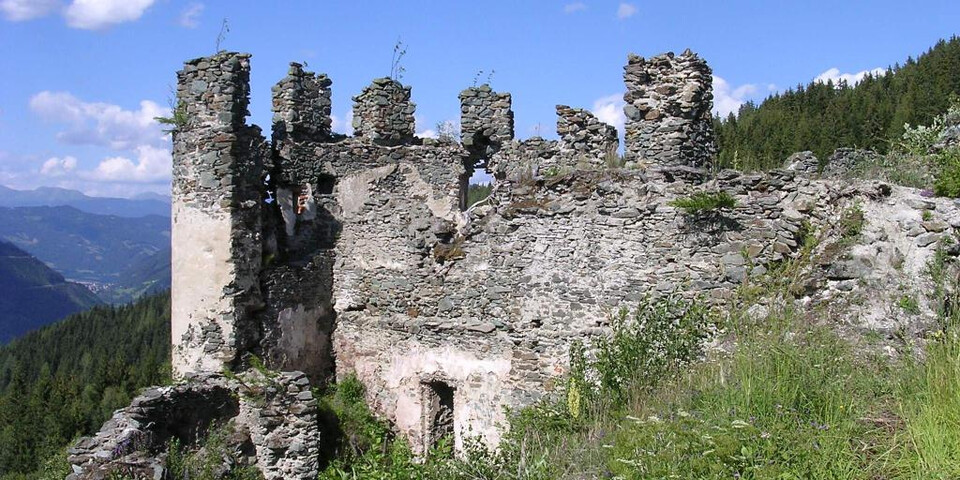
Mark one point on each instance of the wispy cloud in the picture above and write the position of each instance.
(190, 16)
(104, 124)
(21, 10)
(344, 126)
(851, 79)
(626, 10)
(142, 148)
(82, 14)
(58, 167)
(152, 165)
(574, 7)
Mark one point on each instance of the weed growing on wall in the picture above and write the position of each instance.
(701, 203)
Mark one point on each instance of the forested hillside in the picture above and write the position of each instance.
(122, 258)
(33, 295)
(66, 379)
(822, 117)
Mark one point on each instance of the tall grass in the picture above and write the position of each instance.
(929, 395)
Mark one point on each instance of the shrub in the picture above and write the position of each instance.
(852, 221)
(647, 346)
(704, 202)
(947, 183)
(216, 459)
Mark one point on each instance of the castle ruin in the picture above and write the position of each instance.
(334, 256)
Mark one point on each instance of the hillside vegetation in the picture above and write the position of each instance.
(66, 379)
(131, 255)
(824, 116)
(33, 295)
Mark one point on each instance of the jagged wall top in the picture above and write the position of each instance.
(301, 104)
(585, 137)
(214, 91)
(383, 113)
(486, 119)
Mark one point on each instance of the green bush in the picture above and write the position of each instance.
(852, 221)
(947, 183)
(647, 346)
(704, 202)
(213, 460)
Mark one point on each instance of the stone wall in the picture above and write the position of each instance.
(486, 120)
(668, 103)
(357, 248)
(585, 138)
(273, 421)
(383, 113)
(216, 214)
(301, 107)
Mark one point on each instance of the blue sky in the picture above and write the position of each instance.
(81, 80)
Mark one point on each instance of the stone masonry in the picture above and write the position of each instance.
(216, 214)
(585, 137)
(383, 113)
(486, 120)
(356, 256)
(273, 421)
(668, 103)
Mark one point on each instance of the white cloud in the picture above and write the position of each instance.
(626, 10)
(20, 10)
(96, 123)
(143, 164)
(153, 165)
(609, 110)
(727, 100)
(58, 167)
(97, 14)
(447, 127)
(574, 7)
(190, 16)
(342, 126)
(851, 79)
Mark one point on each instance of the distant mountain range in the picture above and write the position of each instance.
(138, 206)
(120, 258)
(33, 295)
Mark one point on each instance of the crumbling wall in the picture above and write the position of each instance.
(585, 139)
(450, 314)
(301, 109)
(486, 120)
(217, 162)
(299, 232)
(668, 102)
(273, 419)
(383, 113)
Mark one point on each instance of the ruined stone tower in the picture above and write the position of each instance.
(216, 215)
(668, 103)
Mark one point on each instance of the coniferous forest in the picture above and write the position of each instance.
(824, 116)
(66, 379)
